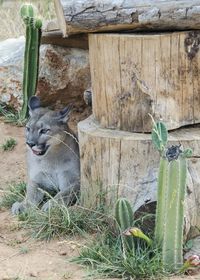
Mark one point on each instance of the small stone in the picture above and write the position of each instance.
(62, 253)
(33, 274)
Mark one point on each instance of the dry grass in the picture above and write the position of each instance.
(10, 21)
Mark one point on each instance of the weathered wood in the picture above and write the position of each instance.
(51, 34)
(108, 15)
(50, 25)
(124, 164)
(134, 75)
(56, 38)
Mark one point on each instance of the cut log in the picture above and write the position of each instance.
(136, 75)
(85, 16)
(124, 164)
(79, 41)
(51, 34)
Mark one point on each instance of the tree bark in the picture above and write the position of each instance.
(86, 16)
(124, 164)
(141, 74)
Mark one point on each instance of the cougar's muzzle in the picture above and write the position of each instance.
(38, 150)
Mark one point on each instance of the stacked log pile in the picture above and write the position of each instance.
(134, 75)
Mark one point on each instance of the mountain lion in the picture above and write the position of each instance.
(53, 158)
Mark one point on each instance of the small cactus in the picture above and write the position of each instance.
(170, 199)
(124, 218)
(31, 55)
(170, 211)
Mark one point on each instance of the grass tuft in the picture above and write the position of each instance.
(61, 221)
(15, 192)
(104, 256)
(9, 144)
(11, 116)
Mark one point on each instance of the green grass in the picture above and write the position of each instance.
(9, 144)
(11, 116)
(61, 221)
(15, 192)
(57, 221)
(105, 257)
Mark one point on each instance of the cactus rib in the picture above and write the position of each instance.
(170, 211)
(174, 217)
(31, 55)
(161, 200)
(124, 218)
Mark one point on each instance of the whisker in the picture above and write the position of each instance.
(65, 145)
(68, 133)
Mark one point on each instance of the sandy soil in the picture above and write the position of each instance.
(21, 257)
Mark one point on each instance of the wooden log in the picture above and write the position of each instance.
(124, 164)
(86, 16)
(51, 34)
(56, 38)
(134, 75)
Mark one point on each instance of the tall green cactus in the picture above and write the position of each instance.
(170, 199)
(31, 55)
(124, 218)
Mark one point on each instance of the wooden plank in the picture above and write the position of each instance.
(85, 16)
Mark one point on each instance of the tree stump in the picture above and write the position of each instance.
(137, 74)
(125, 164)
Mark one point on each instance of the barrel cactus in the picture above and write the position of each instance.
(31, 55)
(124, 218)
(170, 198)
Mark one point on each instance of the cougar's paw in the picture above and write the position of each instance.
(17, 208)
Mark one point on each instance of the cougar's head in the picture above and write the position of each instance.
(45, 127)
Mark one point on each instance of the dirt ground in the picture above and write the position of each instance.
(21, 257)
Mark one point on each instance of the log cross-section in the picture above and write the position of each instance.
(84, 16)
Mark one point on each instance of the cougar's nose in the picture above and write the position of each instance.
(31, 144)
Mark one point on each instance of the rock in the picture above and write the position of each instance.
(195, 248)
(64, 75)
(11, 75)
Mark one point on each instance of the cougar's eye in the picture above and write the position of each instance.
(44, 130)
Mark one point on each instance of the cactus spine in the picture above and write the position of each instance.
(170, 199)
(124, 218)
(31, 55)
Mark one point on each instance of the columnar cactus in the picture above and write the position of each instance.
(31, 55)
(124, 218)
(170, 199)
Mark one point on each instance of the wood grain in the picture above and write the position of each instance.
(136, 75)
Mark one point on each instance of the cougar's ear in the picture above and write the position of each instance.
(33, 103)
(63, 115)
